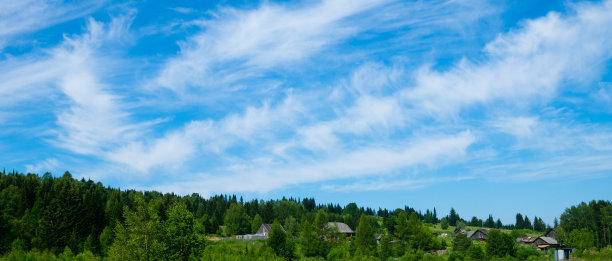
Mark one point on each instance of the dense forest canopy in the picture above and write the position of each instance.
(59, 214)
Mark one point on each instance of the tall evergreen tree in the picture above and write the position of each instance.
(365, 241)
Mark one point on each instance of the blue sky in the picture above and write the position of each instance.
(490, 107)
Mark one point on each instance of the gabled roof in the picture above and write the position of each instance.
(457, 231)
(549, 240)
(475, 234)
(550, 233)
(342, 228)
(265, 228)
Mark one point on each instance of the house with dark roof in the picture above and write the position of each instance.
(550, 233)
(480, 234)
(545, 243)
(460, 231)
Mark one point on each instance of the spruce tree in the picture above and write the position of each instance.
(365, 237)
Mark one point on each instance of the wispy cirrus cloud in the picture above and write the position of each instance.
(18, 17)
(319, 92)
(255, 43)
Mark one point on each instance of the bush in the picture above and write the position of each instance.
(461, 243)
(500, 244)
(455, 257)
(475, 252)
(340, 252)
(524, 252)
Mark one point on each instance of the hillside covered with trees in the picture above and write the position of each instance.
(46, 217)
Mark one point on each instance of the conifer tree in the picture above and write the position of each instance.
(365, 236)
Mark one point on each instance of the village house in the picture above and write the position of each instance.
(460, 231)
(340, 228)
(264, 229)
(480, 234)
(262, 232)
(546, 242)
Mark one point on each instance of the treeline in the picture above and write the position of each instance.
(48, 215)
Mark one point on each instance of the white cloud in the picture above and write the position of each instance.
(17, 17)
(267, 37)
(367, 161)
(525, 66)
(46, 165)
(521, 127)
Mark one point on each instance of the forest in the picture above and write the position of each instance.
(62, 218)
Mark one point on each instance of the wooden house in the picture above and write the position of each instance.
(480, 234)
(550, 233)
(340, 228)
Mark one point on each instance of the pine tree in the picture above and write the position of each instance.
(489, 222)
(520, 222)
(365, 240)
(453, 217)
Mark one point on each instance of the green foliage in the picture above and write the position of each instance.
(455, 257)
(365, 241)
(339, 252)
(581, 239)
(461, 225)
(453, 217)
(141, 238)
(41, 218)
(181, 240)
(596, 216)
(461, 243)
(280, 243)
(256, 223)
(524, 252)
(385, 250)
(236, 220)
(475, 252)
(311, 242)
(106, 240)
(500, 244)
(444, 223)
(320, 219)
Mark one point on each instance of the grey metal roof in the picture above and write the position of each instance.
(549, 240)
(265, 228)
(342, 228)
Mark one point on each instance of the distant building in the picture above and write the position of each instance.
(264, 229)
(480, 234)
(526, 240)
(546, 243)
(340, 228)
(550, 233)
(460, 231)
